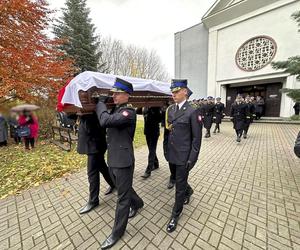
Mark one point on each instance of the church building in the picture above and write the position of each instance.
(231, 50)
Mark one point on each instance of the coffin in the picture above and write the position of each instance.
(138, 99)
(81, 92)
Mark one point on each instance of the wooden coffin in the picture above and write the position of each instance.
(138, 99)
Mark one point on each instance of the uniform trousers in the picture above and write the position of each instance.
(127, 197)
(151, 140)
(247, 125)
(96, 165)
(183, 189)
(217, 126)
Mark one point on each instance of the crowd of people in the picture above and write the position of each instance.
(22, 127)
(242, 113)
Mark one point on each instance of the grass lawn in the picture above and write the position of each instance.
(20, 169)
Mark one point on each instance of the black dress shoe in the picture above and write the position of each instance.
(109, 190)
(109, 242)
(238, 139)
(146, 175)
(88, 207)
(188, 197)
(155, 167)
(245, 136)
(133, 211)
(172, 225)
(171, 184)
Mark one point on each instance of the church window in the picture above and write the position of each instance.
(256, 53)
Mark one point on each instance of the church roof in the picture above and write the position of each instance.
(220, 5)
(224, 10)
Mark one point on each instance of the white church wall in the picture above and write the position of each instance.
(286, 108)
(212, 63)
(277, 24)
(191, 54)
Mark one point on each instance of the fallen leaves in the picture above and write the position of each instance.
(20, 169)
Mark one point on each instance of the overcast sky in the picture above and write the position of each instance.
(149, 24)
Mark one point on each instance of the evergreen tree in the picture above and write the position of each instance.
(78, 33)
(292, 66)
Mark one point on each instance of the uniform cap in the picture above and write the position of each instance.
(178, 84)
(121, 85)
(189, 92)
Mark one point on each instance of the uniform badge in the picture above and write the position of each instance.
(199, 118)
(125, 113)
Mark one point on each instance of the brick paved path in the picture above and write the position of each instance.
(247, 196)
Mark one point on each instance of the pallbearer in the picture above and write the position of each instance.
(182, 145)
(218, 114)
(152, 119)
(120, 124)
(92, 142)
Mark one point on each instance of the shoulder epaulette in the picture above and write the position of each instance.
(170, 106)
(128, 106)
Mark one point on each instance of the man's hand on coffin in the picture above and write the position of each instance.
(103, 98)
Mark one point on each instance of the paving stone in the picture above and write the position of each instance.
(245, 197)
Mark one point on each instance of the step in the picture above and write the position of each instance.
(277, 120)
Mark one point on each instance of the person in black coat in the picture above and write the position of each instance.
(13, 126)
(297, 146)
(152, 119)
(296, 107)
(120, 124)
(250, 115)
(218, 114)
(259, 107)
(181, 145)
(207, 111)
(3, 131)
(238, 115)
(92, 142)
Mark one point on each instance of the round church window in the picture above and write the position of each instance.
(256, 53)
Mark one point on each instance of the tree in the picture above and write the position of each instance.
(130, 60)
(31, 67)
(291, 66)
(77, 31)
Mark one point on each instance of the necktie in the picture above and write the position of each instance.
(177, 108)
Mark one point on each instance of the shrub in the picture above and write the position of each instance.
(295, 117)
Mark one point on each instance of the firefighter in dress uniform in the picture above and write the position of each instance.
(182, 143)
(207, 111)
(152, 120)
(238, 115)
(120, 124)
(251, 114)
(92, 142)
(218, 114)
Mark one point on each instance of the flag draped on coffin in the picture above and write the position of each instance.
(89, 79)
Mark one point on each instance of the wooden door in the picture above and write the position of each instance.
(231, 94)
(273, 100)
